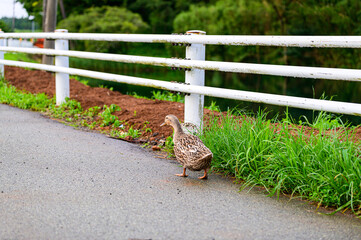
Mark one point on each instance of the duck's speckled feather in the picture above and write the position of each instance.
(191, 152)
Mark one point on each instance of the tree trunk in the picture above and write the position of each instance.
(50, 25)
(62, 8)
(45, 2)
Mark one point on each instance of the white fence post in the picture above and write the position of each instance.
(61, 79)
(2, 44)
(194, 103)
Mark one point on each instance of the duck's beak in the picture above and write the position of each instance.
(163, 124)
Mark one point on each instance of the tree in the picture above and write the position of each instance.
(104, 20)
(4, 27)
(34, 8)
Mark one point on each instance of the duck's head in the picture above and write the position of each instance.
(170, 120)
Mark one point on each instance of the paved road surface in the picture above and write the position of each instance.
(60, 183)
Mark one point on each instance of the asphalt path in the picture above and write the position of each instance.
(57, 182)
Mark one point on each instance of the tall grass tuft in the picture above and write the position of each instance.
(322, 166)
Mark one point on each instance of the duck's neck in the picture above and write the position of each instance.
(177, 129)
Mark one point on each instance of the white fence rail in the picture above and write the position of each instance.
(244, 40)
(195, 54)
(264, 69)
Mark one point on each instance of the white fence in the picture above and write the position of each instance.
(195, 42)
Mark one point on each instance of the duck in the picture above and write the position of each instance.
(189, 149)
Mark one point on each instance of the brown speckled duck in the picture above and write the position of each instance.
(189, 150)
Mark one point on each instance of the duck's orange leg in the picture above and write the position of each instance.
(205, 176)
(183, 174)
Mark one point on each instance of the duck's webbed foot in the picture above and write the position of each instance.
(183, 174)
(205, 176)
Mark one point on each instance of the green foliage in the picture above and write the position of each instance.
(92, 111)
(104, 20)
(23, 57)
(160, 14)
(134, 133)
(168, 146)
(69, 110)
(325, 121)
(325, 168)
(10, 95)
(34, 8)
(213, 107)
(4, 26)
(107, 117)
(21, 24)
(167, 96)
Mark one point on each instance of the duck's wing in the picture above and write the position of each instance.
(190, 148)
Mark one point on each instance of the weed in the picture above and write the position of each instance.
(168, 146)
(92, 111)
(325, 121)
(134, 94)
(134, 133)
(106, 87)
(10, 95)
(213, 107)
(68, 109)
(79, 79)
(107, 117)
(167, 96)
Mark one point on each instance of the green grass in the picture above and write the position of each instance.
(23, 57)
(324, 167)
(10, 95)
(162, 95)
(167, 96)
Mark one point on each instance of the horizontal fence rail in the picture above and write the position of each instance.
(195, 42)
(242, 40)
(251, 68)
(297, 102)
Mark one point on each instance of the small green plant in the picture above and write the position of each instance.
(106, 87)
(134, 94)
(213, 107)
(92, 111)
(10, 95)
(107, 117)
(325, 121)
(167, 96)
(145, 128)
(85, 82)
(67, 110)
(168, 146)
(134, 133)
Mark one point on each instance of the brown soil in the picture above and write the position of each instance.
(135, 112)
